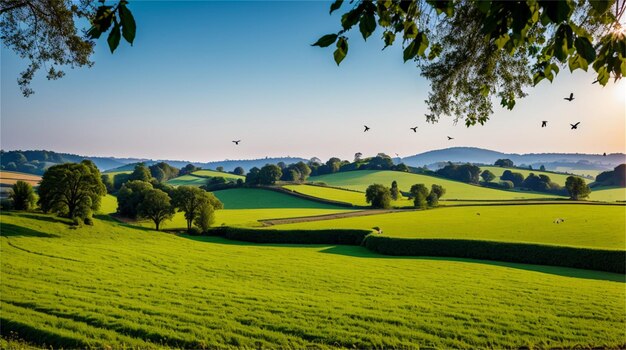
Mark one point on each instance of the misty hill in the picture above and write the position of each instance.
(37, 161)
(550, 160)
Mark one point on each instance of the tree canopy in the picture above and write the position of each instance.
(475, 51)
(22, 195)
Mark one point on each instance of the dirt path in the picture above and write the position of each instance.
(270, 222)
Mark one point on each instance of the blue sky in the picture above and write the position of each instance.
(201, 74)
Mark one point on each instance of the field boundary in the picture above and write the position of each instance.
(282, 221)
(311, 198)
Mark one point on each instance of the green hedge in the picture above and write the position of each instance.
(349, 237)
(524, 253)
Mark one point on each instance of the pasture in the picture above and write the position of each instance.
(605, 194)
(595, 226)
(556, 178)
(112, 285)
(359, 180)
(213, 173)
(340, 195)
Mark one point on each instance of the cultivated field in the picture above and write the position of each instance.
(359, 180)
(116, 286)
(11, 177)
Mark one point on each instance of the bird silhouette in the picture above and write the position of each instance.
(570, 98)
(575, 126)
(544, 123)
(236, 142)
(450, 138)
(366, 128)
(414, 129)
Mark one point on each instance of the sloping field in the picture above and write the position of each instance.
(583, 172)
(608, 194)
(213, 173)
(557, 178)
(595, 226)
(11, 177)
(335, 194)
(116, 286)
(359, 180)
(256, 198)
(187, 180)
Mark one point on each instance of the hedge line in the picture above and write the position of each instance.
(524, 253)
(332, 236)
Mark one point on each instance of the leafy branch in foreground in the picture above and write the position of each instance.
(474, 51)
(45, 32)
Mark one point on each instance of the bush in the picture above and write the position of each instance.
(6, 204)
(88, 221)
(525, 253)
(331, 236)
(194, 231)
(76, 221)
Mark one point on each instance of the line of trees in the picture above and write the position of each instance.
(380, 196)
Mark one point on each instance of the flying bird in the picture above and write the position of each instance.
(450, 138)
(414, 129)
(366, 128)
(544, 123)
(236, 142)
(575, 126)
(570, 98)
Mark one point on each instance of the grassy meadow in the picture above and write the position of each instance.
(556, 178)
(359, 180)
(113, 285)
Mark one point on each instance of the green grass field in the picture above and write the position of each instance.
(596, 226)
(583, 172)
(113, 173)
(213, 173)
(111, 285)
(187, 180)
(256, 198)
(608, 194)
(557, 178)
(335, 194)
(359, 180)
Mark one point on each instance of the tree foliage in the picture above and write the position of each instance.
(476, 51)
(269, 174)
(468, 173)
(577, 188)
(516, 178)
(395, 192)
(155, 206)
(379, 196)
(420, 193)
(72, 189)
(22, 195)
(129, 197)
(504, 163)
(196, 202)
(46, 33)
(487, 175)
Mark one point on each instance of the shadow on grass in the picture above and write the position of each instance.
(10, 230)
(222, 240)
(42, 217)
(362, 252)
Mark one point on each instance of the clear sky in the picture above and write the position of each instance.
(201, 74)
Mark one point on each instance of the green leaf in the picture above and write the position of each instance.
(367, 25)
(501, 41)
(623, 67)
(600, 6)
(335, 6)
(342, 50)
(94, 32)
(351, 18)
(389, 37)
(423, 44)
(410, 30)
(585, 49)
(127, 21)
(114, 37)
(326, 40)
(411, 50)
(557, 11)
(577, 62)
(443, 6)
(483, 6)
(563, 42)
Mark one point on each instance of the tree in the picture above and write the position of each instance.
(191, 200)
(420, 193)
(220, 169)
(432, 200)
(156, 207)
(141, 173)
(516, 178)
(577, 188)
(395, 192)
(252, 178)
(504, 163)
(22, 196)
(438, 190)
(188, 169)
(129, 197)
(239, 171)
(163, 171)
(119, 180)
(475, 51)
(333, 164)
(542, 168)
(379, 196)
(487, 175)
(468, 173)
(46, 33)
(108, 183)
(71, 189)
(290, 174)
(269, 174)
(303, 169)
(401, 167)
(357, 157)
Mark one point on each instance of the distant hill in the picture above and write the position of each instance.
(228, 165)
(37, 161)
(484, 156)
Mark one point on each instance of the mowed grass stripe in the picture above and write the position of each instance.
(361, 179)
(595, 226)
(179, 289)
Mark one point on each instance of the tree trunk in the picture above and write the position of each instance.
(156, 223)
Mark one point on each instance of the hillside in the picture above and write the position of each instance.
(228, 165)
(359, 180)
(551, 161)
(115, 286)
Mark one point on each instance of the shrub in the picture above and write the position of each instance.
(88, 221)
(194, 231)
(525, 253)
(331, 236)
(379, 196)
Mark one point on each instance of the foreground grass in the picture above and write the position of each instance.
(596, 226)
(359, 180)
(112, 285)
